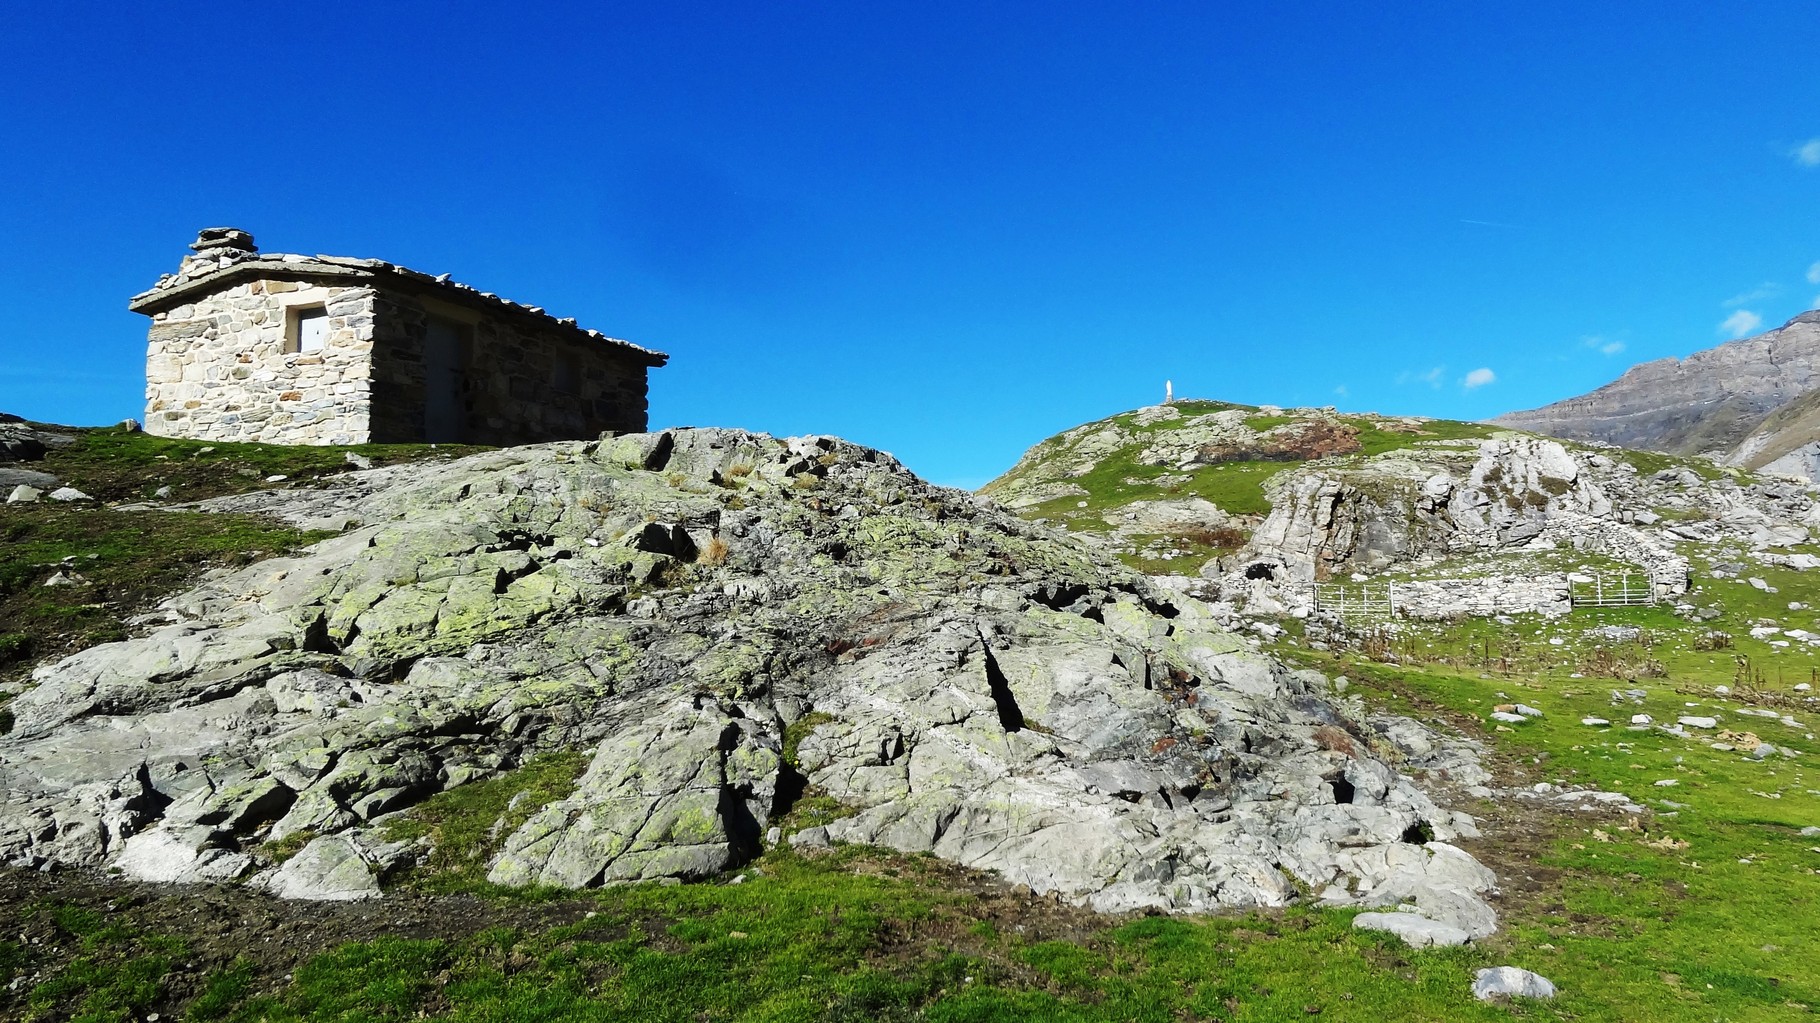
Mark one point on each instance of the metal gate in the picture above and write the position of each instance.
(1622, 591)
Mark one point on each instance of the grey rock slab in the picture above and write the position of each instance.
(333, 868)
(1416, 930)
(12, 478)
(1496, 982)
(166, 855)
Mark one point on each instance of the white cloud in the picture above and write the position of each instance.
(1478, 378)
(1433, 377)
(1740, 324)
(1341, 391)
(1813, 274)
(1807, 154)
(1768, 289)
(1604, 345)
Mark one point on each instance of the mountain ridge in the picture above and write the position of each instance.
(1706, 403)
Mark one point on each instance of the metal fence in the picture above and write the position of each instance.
(1364, 600)
(1621, 591)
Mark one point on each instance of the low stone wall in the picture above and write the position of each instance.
(216, 368)
(517, 384)
(1667, 570)
(1440, 599)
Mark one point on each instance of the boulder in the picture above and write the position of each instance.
(1502, 982)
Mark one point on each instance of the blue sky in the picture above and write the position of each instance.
(944, 229)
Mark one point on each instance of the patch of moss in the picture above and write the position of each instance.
(466, 825)
(798, 731)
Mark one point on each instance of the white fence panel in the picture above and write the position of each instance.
(1621, 591)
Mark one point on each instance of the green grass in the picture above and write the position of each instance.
(116, 975)
(856, 935)
(1237, 487)
(467, 824)
(126, 560)
(1375, 440)
(1648, 463)
(129, 558)
(1639, 931)
(111, 464)
(1702, 910)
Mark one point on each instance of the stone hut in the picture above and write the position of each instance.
(289, 349)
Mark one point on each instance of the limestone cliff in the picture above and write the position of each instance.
(1706, 403)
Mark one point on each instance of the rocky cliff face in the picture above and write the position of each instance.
(1786, 442)
(726, 621)
(1372, 514)
(1706, 403)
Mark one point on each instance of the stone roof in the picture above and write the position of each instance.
(226, 255)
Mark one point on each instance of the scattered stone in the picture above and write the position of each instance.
(357, 460)
(162, 493)
(1528, 711)
(1697, 721)
(69, 494)
(129, 425)
(23, 494)
(1592, 722)
(1498, 982)
(1641, 719)
(1507, 717)
(1668, 783)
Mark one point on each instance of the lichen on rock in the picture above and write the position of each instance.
(978, 687)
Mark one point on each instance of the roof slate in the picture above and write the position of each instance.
(212, 269)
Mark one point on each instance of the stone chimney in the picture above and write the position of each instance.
(215, 248)
(210, 240)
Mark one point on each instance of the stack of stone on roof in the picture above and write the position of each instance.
(292, 349)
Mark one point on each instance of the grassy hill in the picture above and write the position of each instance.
(1700, 909)
(1202, 463)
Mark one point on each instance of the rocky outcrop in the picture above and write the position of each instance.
(1706, 403)
(726, 621)
(1366, 516)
